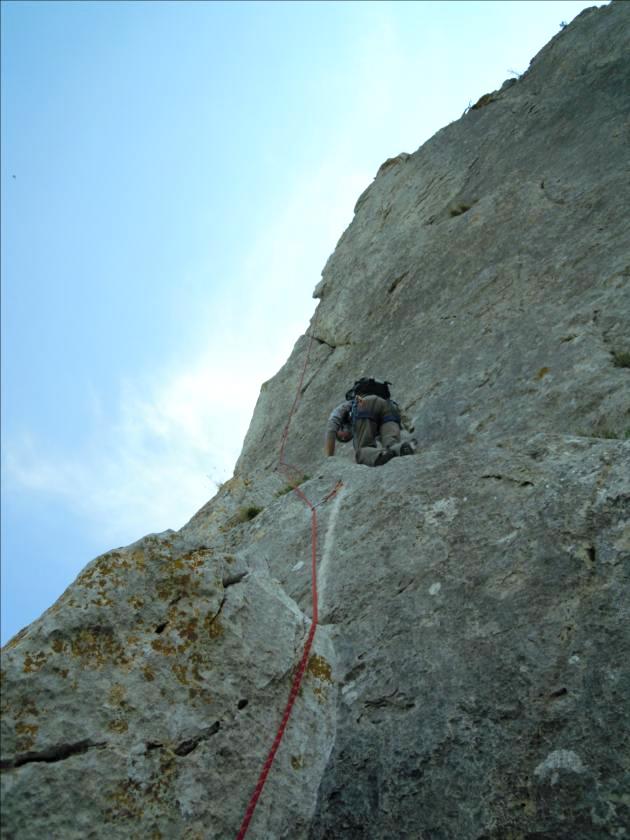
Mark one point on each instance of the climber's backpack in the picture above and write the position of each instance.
(365, 386)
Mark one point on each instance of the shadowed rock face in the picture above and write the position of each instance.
(469, 677)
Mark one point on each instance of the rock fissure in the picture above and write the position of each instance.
(396, 282)
(395, 698)
(58, 752)
(187, 746)
(210, 621)
(324, 342)
(154, 745)
(519, 482)
(405, 586)
(231, 580)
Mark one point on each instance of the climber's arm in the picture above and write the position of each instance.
(338, 416)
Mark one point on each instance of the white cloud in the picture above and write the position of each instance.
(149, 458)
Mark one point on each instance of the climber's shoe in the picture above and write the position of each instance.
(406, 448)
(384, 456)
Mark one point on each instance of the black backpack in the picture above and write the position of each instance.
(366, 385)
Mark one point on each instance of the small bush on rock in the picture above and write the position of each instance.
(292, 485)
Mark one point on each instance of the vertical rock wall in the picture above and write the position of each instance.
(469, 677)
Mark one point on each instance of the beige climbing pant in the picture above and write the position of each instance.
(375, 418)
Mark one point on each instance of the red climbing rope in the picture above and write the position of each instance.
(299, 674)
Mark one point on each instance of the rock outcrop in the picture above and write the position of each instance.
(469, 677)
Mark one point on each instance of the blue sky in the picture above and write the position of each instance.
(174, 177)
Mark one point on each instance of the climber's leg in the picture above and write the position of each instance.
(368, 419)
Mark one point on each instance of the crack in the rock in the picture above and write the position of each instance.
(217, 613)
(405, 586)
(230, 580)
(395, 699)
(396, 282)
(227, 581)
(154, 745)
(323, 341)
(508, 630)
(187, 746)
(422, 396)
(60, 752)
(497, 477)
(305, 387)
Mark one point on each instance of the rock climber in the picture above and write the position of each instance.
(368, 413)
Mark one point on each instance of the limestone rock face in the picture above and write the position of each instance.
(469, 677)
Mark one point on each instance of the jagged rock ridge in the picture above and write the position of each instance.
(469, 679)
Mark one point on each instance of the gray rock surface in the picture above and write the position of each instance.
(469, 678)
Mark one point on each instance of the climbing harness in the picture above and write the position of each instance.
(290, 471)
(359, 411)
